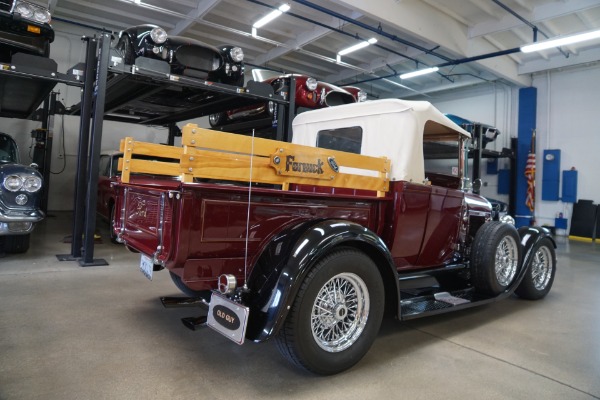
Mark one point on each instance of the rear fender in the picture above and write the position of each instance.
(530, 236)
(291, 255)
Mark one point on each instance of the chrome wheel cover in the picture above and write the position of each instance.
(541, 268)
(340, 312)
(507, 259)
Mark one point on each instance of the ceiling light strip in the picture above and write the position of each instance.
(420, 72)
(561, 41)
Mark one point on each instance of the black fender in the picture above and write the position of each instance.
(292, 254)
(530, 236)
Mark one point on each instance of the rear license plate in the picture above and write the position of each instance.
(228, 318)
(146, 266)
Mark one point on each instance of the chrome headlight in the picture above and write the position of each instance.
(237, 54)
(361, 96)
(25, 10)
(13, 183)
(507, 219)
(41, 15)
(32, 12)
(158, 35)
(32, 184)
(311, 84)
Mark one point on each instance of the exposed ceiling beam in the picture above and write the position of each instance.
(434, 26)
(302, 40)
(541, 13)
(433, 88)
(203, 7)
(558, 61)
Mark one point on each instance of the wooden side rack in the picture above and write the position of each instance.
(227, 156)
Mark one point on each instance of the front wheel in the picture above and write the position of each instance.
(111, 225)
(336, 314)
(539, 278)
(15, 244)
(217, 119)
(495, 257)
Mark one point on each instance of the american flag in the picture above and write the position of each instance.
(530, 175)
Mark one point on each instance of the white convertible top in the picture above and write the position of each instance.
(391, 127)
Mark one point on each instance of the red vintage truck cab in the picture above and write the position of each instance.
(312, 242)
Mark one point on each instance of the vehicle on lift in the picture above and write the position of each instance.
(24, 28)
(312, 242)
(310, 94)
(20, 194)
(186, 56)
(359, 94)
(486, 132)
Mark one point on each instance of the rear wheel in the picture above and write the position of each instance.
(539, 278)
(336, 314)
(495, 257)
(182, 286)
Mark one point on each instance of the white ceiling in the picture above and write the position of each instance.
(412, 34)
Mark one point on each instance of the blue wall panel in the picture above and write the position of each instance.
(504, 181)
(569, 189)
(551, 175)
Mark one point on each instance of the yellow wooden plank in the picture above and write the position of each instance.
(219, 155)
(126, 147)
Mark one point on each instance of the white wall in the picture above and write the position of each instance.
(568, 119)
(67, 50)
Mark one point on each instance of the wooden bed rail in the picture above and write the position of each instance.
(226, 156)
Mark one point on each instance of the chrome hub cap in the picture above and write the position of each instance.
(507, 258)
(340, 312)
(541, 268)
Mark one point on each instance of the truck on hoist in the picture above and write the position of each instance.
(312, 242)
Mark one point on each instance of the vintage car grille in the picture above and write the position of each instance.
(6, 5)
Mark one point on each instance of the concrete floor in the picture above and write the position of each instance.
(68, 332)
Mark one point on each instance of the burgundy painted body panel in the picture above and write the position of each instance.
(204, 231)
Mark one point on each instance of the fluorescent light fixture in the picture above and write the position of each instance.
(419, 72)
(357, 46)
(561, 41)
(271, 16)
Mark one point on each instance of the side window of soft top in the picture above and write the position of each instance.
(343, 139)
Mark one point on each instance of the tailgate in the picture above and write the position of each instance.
(145, 219)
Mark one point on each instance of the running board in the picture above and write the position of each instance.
(442, 302)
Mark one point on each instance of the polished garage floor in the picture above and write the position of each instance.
(68, 332)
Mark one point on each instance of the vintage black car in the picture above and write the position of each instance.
(20, 193)
(24, 28)
(185, 56)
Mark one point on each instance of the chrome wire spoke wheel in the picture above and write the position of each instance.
(541, 268)
(507, 260)
(340, 312)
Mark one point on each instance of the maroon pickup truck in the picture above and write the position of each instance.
(313, 242)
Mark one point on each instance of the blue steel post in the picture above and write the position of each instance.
(527, 124)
